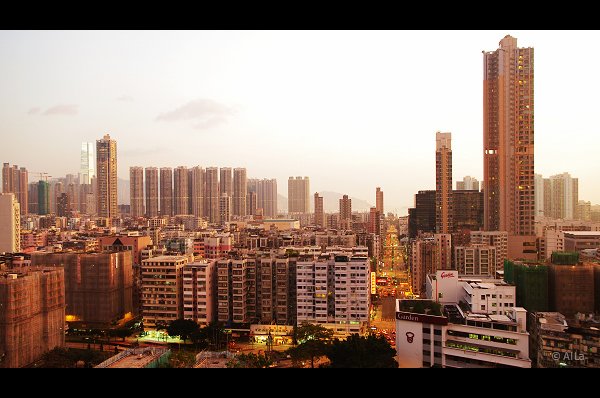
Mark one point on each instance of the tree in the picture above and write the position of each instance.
(308, 331)
(250, 360)
(122, 333)
(313, 340)
(361, 352)
(182, 328)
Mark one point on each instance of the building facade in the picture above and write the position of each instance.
(32, 314)
(136, 191)
(162, 290)
(106, 179)
(443, 183)
(508, 138)
(166, 191)
(10, 223)
(181, 194)
(240, 189)
(152, 193)
(298, 195)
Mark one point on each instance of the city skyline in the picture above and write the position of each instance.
(275, 94)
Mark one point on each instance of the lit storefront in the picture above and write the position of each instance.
(280, 334)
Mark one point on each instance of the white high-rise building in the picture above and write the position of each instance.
(338, 281)
(87, 162)
(538, 182)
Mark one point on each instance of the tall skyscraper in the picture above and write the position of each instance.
(239, 191)
(16, 180)
(319, 213)
(379, 200)
(421, 218)
(298, 195)
(225, 181)
(225, 208)
(564, 196)
(136, 191)
(374, 226)
(266, 195)
(151, 191)
(508, 139)
(211, 194)
(63, 205)
(166, 191)
(539, 195)
(87, 162)
(7, 178)
(10, 223)
(345, 212)
(443, 183)
(196, 187)
(181, 191)
(43, 198)
(251, 202)
(106, 166)
(468, 183)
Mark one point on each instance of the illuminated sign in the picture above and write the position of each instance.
(373, 283)
(422, 318)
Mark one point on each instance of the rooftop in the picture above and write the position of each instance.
(582, 233)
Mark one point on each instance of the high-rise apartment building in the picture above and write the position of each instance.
(32, 314)
(428, 254)
(136, 191)
(87, 162)
(240, 189)
(151, 192)
(43, 197)
(199, 291)
(16, 180)
(379, 200)
(333, 290)
(225, 208)
(422, 216)
(475, 260)
(443, 183)
(211, 195)
(497, 239)
(468, 183)
(538, 182)
(166, 191)
(196, 188)
(319, 213)
(181, 195)
(106, 167)
(345, 212)
(63, 205)
(98, 286)
(508, 139)
(298, 195)
(562, 196)
(225, 181)
(251, 202)
(162, 290)
(467, 207)
(10, 223)
(7, 179)
(266, 195)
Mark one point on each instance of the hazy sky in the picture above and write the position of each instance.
(351, 110)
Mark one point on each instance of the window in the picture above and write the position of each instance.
(483, 297)
(483, 307)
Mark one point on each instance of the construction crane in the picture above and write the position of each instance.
(43, 175)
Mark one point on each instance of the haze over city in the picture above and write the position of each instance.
(351, 110)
